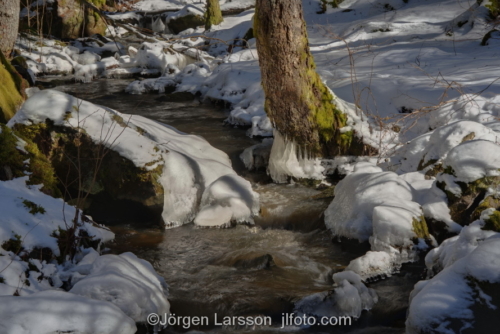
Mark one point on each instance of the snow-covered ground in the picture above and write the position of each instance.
(34, 296)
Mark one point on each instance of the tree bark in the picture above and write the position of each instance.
(9, 24)
(297, 102)
(213, 15)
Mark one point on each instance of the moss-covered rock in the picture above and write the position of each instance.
(332, 3)
(94, 23)
(83, 168)
(39, 167)
(77, 19)
(185, 22)
(420, 228)
(494, 7)
(12, 88)
(465, 208)
(11, 159)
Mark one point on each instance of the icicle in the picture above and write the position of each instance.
(287, 160)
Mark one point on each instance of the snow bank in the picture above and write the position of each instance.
(474, 160)
(228, 199)
(58, 311)
(432, 199)
(349, 298)
(38, 229)
(189, 164)
(124, 280)
(159, 5)
(31, 276)
(433, 147)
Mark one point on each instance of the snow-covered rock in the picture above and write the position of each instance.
(433, 147)
(124, 280)
(471, 161)
(351, 214)
(61, 312)
(33, 271)
(380, 207)
(457, 247)
(463, 297)
(188, 165)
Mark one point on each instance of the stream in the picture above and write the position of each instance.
(244, 270)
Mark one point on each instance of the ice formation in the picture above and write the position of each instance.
(287, 160)
(349, 298)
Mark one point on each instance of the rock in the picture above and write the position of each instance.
(470, 169)
(464, 297)
(79, 20)
(257, 263)
(117, 177)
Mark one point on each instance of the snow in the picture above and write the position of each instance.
(31, 299)
(374, 264)
(57, 311)
(349, 298)
(383, 56)
(379, 207)
(474, 160)
(36, 230)
(124, 280)
(161, 5)
(358, 194)
(433, 147)
(451, 293)
(189, 164)
(457, 247)
(229, 198)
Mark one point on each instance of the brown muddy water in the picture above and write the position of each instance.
(258, 270)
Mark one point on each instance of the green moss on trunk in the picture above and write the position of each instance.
(303, 108)
(213, 15)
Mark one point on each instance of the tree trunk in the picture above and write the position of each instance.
(299, 105)
(213, 15)
(9, 24)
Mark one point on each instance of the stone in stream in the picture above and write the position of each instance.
(257, 263)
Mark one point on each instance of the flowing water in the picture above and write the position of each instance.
(245, 270)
